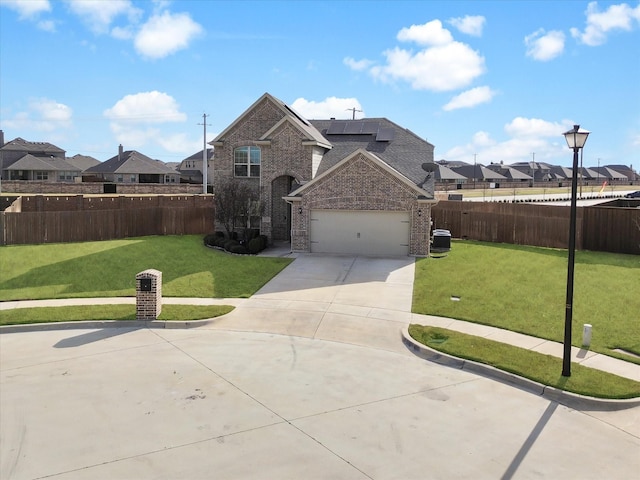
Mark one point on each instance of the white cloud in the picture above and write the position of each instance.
(599, 24)
(544, 46)
(165, 34)
(330, 107)
(526, 135)
(100, 15)
(536, 127)
(430, 33)
(440, 68)
(27, 9)
(469, 24)
(442, 65)
(146, 107)
(357, 65)
(32, 10)
(43, 115)
(135, 119)
(470, 98)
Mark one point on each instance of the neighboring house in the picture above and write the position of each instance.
(479, 173)
(22, 160)
(609, 175)
(629, 172)
(132, 166)
(510, 173)
(334, 186)
(541, 170)
(444, 175)
(190, 168)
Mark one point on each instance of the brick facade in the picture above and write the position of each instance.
(291, 149)
(360, 184)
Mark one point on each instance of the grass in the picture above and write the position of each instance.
(523, 289)
(541, 368)
(109, 268)
(21, 316)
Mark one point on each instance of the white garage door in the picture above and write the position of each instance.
(360, 232)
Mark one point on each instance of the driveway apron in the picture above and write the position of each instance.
(350, 299)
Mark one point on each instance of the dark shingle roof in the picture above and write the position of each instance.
(21, 144)
(404, 151)
(132, 162)
(83, 161)
(45, 164)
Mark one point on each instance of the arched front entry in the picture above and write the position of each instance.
(281, 210)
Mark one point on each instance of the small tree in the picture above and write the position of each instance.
(235, 201)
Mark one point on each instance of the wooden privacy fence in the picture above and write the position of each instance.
(609, 229)
(34, 227)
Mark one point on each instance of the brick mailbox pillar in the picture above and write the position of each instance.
(148, 294)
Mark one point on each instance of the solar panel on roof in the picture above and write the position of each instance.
(336, 128)
(354, 127)
(385, 135)
(370, 128)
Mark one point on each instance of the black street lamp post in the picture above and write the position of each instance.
(576, 139)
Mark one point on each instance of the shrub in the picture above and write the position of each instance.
(229, 244)
(237, 248)
(209, 240)
(255, 245)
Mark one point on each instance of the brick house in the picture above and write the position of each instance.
(334, 186)
(22, 160)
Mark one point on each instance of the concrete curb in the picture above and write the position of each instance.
(82, 325)
(569, 399)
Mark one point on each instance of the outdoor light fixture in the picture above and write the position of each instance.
(300, 210)
(576, 138)
(419, 212)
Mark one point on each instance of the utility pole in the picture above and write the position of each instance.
(475, 168)
(533, 169)
(204, 154)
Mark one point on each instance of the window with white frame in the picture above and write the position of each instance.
(246, 161)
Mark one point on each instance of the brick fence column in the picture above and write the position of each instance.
(148, 294)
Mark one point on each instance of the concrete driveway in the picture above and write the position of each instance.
(288, 386)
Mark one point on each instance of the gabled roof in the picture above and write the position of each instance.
(606, 172)
(298, 120)
(371, 157)
(445, 173)
(20, 144)
(83, 161)
(132, 162)
(479, 172)
(45, 164)
(398, 147)
(509, 172)
(561, 172)
(309, 131)
(198, 155)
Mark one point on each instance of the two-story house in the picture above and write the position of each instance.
(22, 160)
(335, 186)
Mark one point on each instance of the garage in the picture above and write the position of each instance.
(360, 232)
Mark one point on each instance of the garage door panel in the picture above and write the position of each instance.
(360, 232)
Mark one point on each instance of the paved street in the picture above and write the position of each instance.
(307, 379)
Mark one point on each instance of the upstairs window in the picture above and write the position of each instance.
(246, 161)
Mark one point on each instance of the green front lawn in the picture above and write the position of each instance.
(523, 289)
(109, 268)
(20, 316)
(544, 369)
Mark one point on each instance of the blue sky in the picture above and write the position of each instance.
(501, 80)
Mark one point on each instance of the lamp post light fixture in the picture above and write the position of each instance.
(576, 138)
